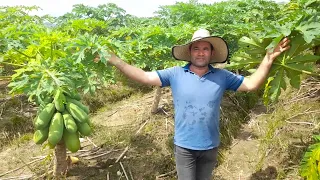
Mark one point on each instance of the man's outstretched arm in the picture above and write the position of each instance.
(257, 78)
(134, 73)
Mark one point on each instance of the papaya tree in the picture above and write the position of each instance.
(300, 23)
(52, 67)
(304, 36)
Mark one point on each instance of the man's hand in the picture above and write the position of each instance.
(97, 58)
(112, 60)
(257, 78)
(281, 47)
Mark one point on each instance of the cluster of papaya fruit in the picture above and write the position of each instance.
(63, 117)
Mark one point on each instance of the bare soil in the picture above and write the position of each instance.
(241, 159)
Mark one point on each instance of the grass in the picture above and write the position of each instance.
(117, 138)
(234, 114)
(14, 123)
(15, 128)
(286, 131)
(150, 151)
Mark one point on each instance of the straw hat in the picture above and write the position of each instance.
(182, 52)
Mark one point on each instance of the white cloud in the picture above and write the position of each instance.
(141, 8)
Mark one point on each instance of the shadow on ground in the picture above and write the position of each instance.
(269, 173)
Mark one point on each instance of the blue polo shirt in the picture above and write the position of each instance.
(197, 104)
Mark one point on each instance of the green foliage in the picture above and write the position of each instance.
(148, 48)
(310, 164)
(48, 59)
(100, 20)
(230, 20)
(296, 61)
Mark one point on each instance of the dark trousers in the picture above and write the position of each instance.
(194, 164)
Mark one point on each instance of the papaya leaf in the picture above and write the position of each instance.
(80, 55)
(104, 55)
(274, 42)
(246, 41)
(309, 162)
(277, 84)
(304, 59)
(307, 46)
(311, 3)
(252, 70)
(294, 77)
(296, 42)
(316, 138)
(256, 51)
(286, 29)
(274, 69)
(255, 37)
(302, 68)
(241, 62)
(309, 28)
(266, 91)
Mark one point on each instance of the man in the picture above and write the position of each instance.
(197, 90)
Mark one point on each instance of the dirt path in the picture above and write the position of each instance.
(121, 113)
(241, 160)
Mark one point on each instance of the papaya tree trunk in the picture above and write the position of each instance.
(60, 162)
(156, 100)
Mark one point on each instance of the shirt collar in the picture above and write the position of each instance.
(187, 68)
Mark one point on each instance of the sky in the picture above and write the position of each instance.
(140, 8)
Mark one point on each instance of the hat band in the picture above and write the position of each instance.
(197, 38)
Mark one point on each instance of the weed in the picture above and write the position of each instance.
(285, 132)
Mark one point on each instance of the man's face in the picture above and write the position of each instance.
(201, 53)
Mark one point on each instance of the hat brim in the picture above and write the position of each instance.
(182, 52)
